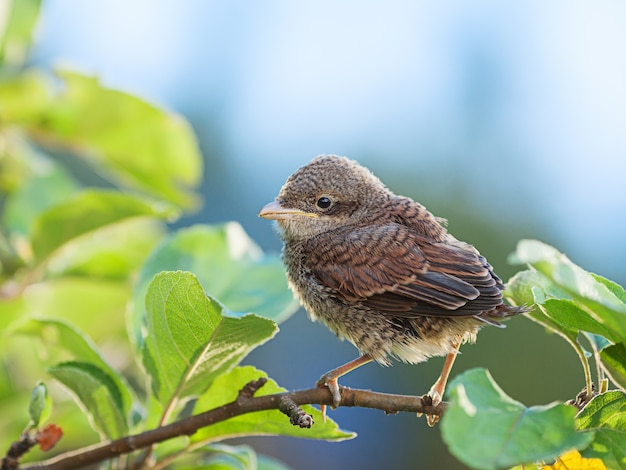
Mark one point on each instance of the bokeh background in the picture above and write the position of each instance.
(507, 118)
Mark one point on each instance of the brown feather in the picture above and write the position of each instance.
(394, 270)
(380, 269)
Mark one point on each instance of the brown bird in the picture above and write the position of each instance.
(380, 270)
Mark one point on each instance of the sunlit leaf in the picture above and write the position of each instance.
(606, 415)
(116, 251)
(191, 339)
(230, 266)
(13, 309)
(49, 184)
(601, 299)
(569, 315)
(272, 422)
(533, 289)
(80, 349)
(98, 394)
(534, 252)
(84, 213)
(93, 305)
(503, 431)
(24, 98)
(569, 300)
(614, 362)
(614, 287)
(136, 143)
(17, 30)
(127, 140)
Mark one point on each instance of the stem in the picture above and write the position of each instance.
(583, 359)
(389, 403)
(577, 347)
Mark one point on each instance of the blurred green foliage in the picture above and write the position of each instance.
(95, 293)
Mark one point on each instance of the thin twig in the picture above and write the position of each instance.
(389, 403)
(297, 416)
(11, 461)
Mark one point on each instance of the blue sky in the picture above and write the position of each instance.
(523, 100)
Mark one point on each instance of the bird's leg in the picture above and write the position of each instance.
(437, 390)
(329, 379)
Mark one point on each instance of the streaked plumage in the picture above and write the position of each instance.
(379, 269)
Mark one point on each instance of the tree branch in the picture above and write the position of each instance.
(245, 403)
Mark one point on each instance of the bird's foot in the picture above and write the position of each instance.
(431, 399)
(329, 381)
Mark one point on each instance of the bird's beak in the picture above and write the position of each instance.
(274, 211)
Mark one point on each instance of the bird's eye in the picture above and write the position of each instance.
(324, 202)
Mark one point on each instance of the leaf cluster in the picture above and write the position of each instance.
(89, 178)
(145, 326)
(589, 312)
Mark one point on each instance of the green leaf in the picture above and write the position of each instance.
(229, 457)
(136, 143)
(13, 311)
(504, 432)
(263, 423)
(606, 414)
(607, 410)
(17, 27)
(40, 406)
(614, 287)
(534, 252)
(24, 98)
(614, 362)
(98, 394)
(601, 299)
(570, 300)
(534, 289)
(269, 463)
(530, 466)
(78, 347)
(554, 307)
(48, 187)
(568, 315)
(93, 305)
(86, 212)
(191, 339)
(57, 333)
(127, 140)
(230, 266)
(116, 251)
(519, 289)
(597, 341)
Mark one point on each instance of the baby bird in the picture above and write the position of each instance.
(380, 270)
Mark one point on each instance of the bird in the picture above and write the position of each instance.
(381, 271)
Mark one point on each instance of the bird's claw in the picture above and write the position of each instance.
(431, 399)
(333, 387)
(435, 397)
(431, 420)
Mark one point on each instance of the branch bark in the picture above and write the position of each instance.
(245, 403)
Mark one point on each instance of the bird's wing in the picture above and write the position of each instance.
(398, 272)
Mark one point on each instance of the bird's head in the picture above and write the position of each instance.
(327, 193)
